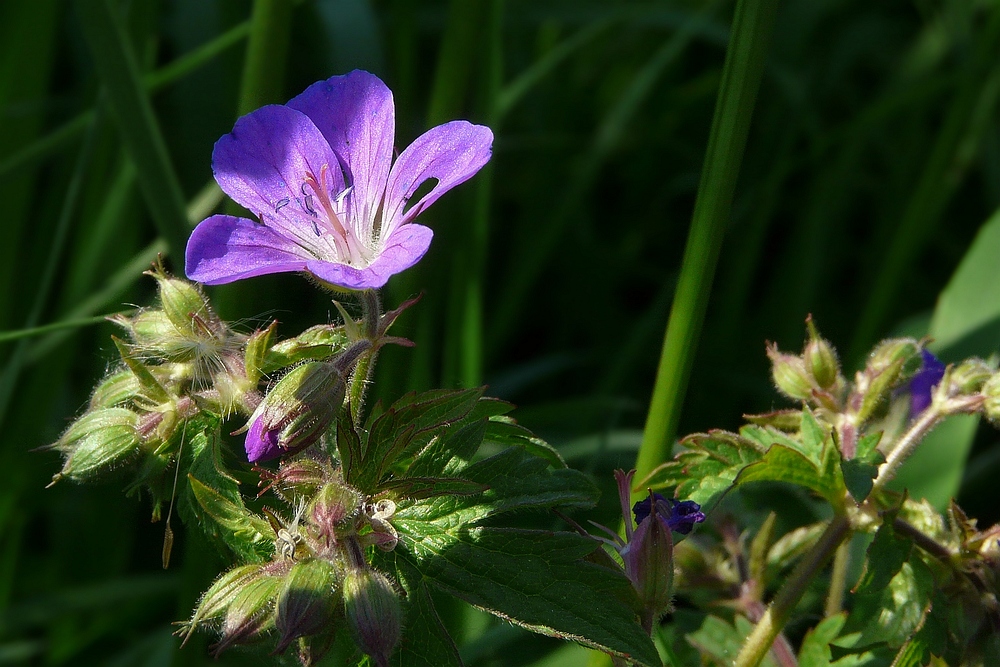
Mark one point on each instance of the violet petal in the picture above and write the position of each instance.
(402, 250)
(224, 248)
(356, 116)
(451, 153)
(263, 162)
(923, 383)
(262, 445)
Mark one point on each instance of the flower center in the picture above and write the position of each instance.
(350, 249)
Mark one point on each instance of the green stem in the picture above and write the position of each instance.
(771, 623)
(838, 580)
(903, 447)
(267, 51)
(741, 76)
(363, 370)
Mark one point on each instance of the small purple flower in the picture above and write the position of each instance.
(680, 515)
(319, 175)
(923, 383)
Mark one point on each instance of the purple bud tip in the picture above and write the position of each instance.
(681, 515)
(923, 383)
(262, 445)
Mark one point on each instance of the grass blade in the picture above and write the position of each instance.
(140, 132)
(741, 76)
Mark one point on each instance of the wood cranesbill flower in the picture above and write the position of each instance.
(923, 383)
(330, 201)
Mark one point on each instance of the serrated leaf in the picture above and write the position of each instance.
(425, 639)
(450, 452)
(536, 579)
(515, 480)
(721, 642)
(782, 464)
(707, 467)
(410, 423)
(816, 651)
(348, 446)
(859, 477)
(886, 555)
(418, 488)
(793, 544)
(240, 529)
(509, 434)
(867, 448)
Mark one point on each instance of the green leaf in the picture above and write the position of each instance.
(515, 480)
(536, 579)
(893, 597)
(503, 432)
(348, 446)
(816, 651)
(417, 488)
(866, 449)
(425, 639)
(814, 437)
(409, 423)
(782, 464)
(859, 477)
(706, 469)
(212, 498)
(241, 530)
(720, 642)
(456, 444)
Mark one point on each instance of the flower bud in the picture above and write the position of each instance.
(820, 358)
(649, 559)
(373, 613)
(298, 479)
(216, 600)
(923, 383)
(184, 305)
(307, 602)
(97, 442)
(256, 352)
(899, 356)
(991, 395)
(115, 389)
(333, 504)
(970, 376)
(296, 412)
(790, 374)
(250, 612)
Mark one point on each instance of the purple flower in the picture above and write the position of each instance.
(923, 383)
(319, 175)
(679, 515)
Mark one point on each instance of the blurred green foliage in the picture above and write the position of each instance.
(873, 160)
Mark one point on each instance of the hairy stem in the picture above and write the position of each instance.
(905, 446)
(771, 623)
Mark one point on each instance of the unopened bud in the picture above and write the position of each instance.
(296, 412)
(115, 389)
(256, 352)
(97, 442)
(649, 560)
(250, 612)
(892, 363)
(216, 600)
(991, 395)
(373, 613)
(820, 358)
(184, 305)
(307, 602)
(970, 376)
(790, 374)
(299, 479)
(333, 504)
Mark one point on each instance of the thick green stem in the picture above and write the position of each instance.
(771, 623)
(363, 370)
(741, 76)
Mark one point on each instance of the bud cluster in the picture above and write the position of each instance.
(318, 577)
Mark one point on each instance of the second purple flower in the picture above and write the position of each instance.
(319, 175)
